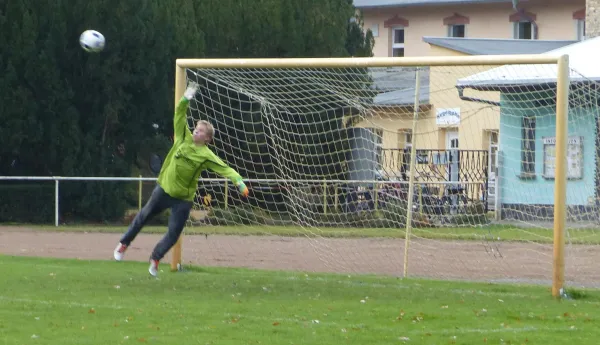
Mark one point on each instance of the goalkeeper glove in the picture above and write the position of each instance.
(190, 91)
(243, 189)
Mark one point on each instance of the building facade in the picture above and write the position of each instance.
(527, 131)
(399, 26)
(448, 118)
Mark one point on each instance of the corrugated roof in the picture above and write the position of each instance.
(404, 97)
(583, 63)
(402, 3)
(398, 86)
(398, 83)
(492, 46)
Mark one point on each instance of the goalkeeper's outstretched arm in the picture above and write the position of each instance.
(180, 127)
(218, 167)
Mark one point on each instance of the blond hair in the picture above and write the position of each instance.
(210, 130)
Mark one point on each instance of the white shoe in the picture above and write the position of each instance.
(120, 251)
(153, 267)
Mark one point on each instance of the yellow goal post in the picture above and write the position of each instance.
(561, 64)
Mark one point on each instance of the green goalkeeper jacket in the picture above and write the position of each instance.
(185, 161)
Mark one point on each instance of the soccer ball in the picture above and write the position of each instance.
(92, 41)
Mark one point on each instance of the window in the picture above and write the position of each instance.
(580, 25)
(405, 138)
(408, 139)
(398, 42)
(375, 30)
(528, 146)
(579, 19)
(451, 139)
(405, 145)
(492, 152)
(524, 30)
(456, 24)
(396, 25)
(377, 135)
(493, 138)
(456, 30)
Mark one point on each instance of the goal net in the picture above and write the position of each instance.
(343, 163)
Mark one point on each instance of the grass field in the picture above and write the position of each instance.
(495, 232)
(57, 301)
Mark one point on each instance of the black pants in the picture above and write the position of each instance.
(160, 201)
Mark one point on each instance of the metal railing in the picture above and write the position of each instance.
(58, 179)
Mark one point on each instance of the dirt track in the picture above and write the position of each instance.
(470, 260)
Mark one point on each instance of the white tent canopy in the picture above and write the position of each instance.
(583, 62)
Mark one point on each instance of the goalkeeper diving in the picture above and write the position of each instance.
(178, 181)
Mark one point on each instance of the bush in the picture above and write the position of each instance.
(27, 203)
(93, 201)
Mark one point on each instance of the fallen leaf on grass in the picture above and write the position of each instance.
(275, 323)
(418, 318)
(480, 312)
(92, 311)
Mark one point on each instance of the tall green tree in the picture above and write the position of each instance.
(72, 113)
(66, 112)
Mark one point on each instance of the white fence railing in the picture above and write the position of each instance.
(140, 179)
